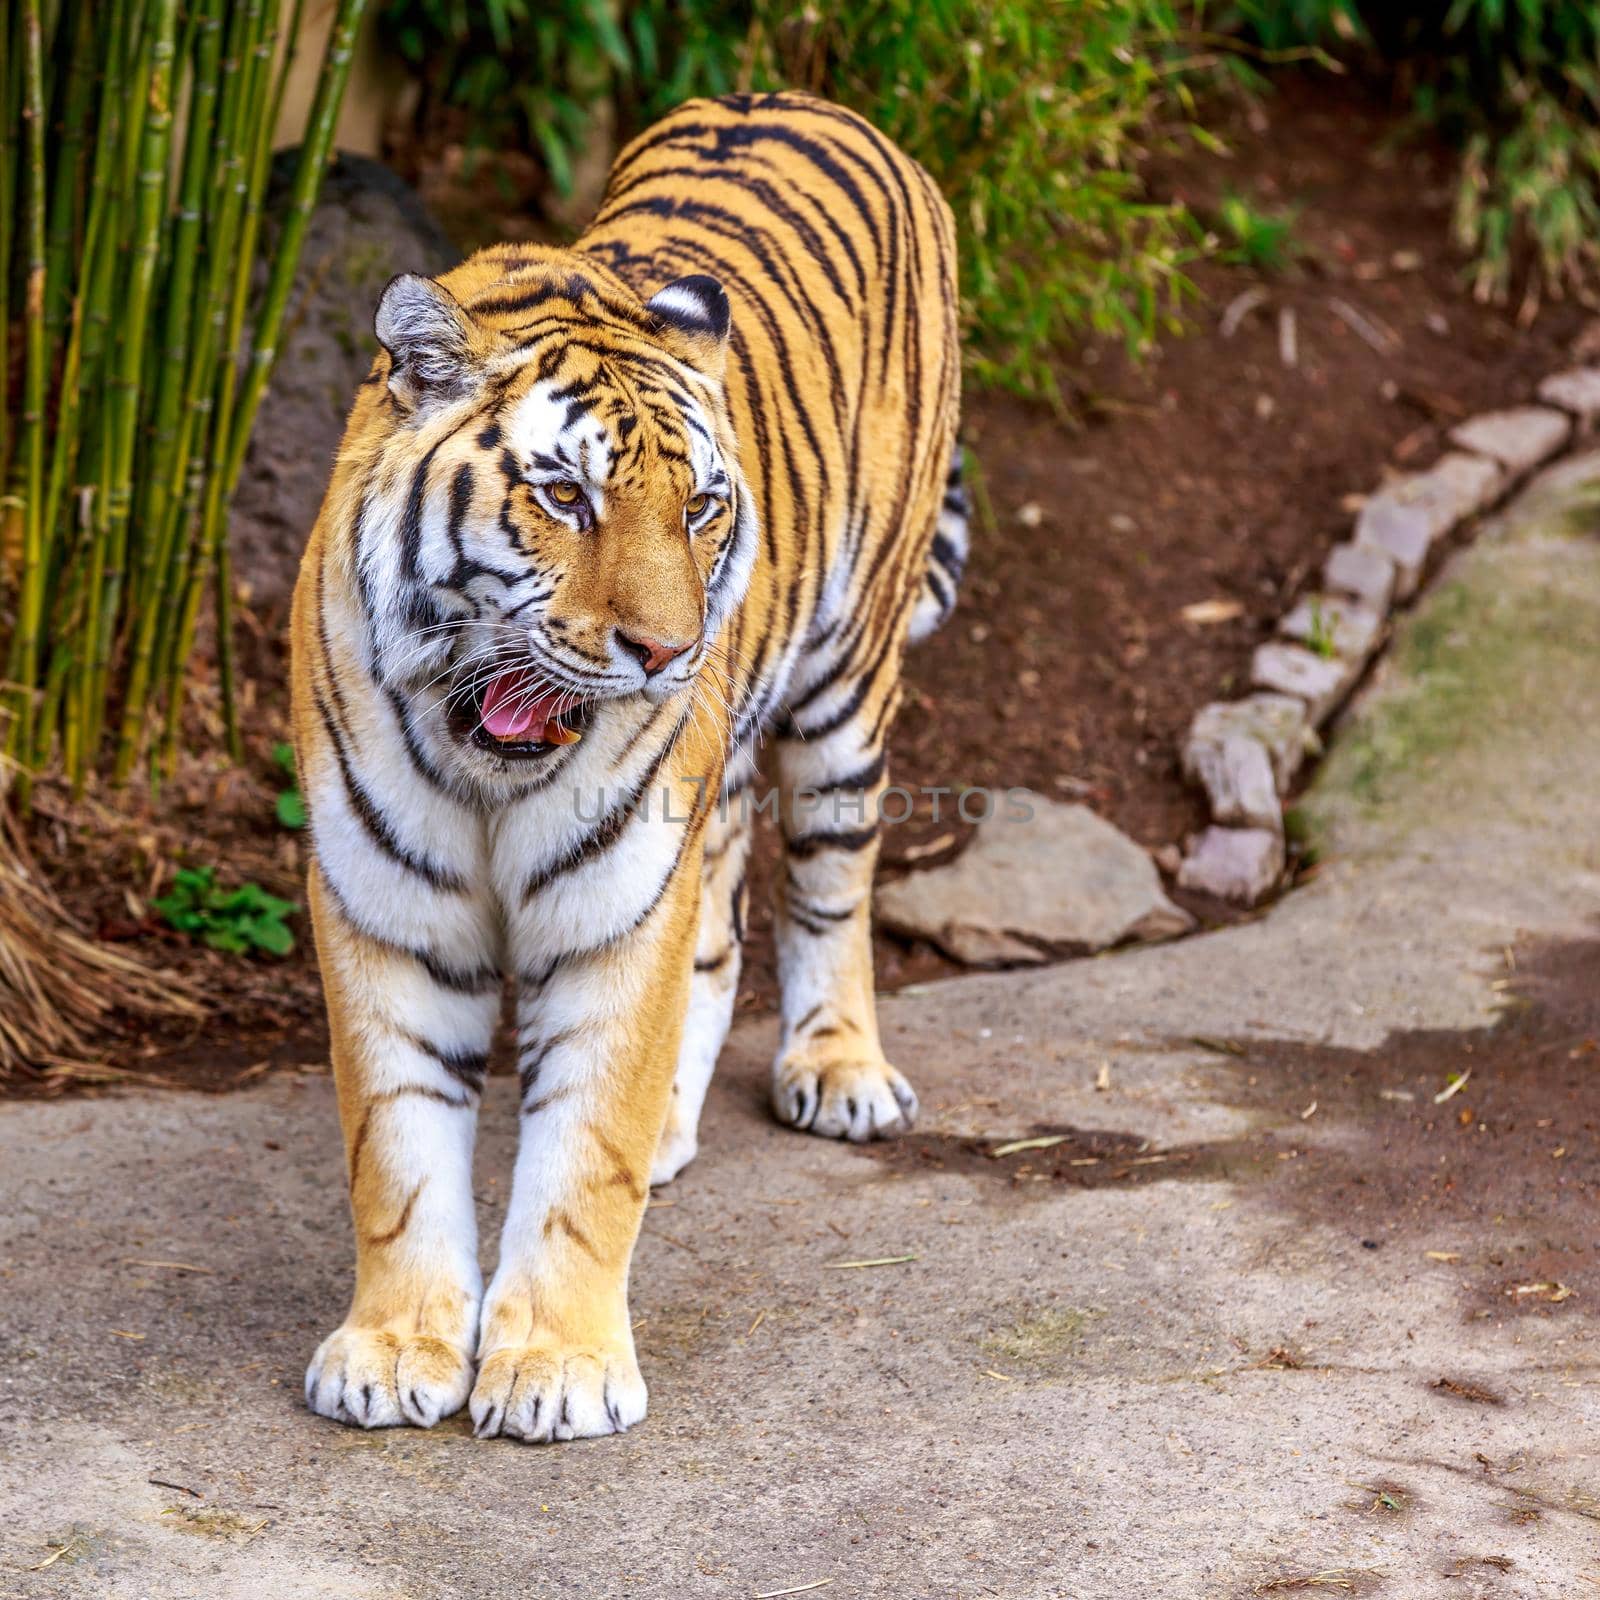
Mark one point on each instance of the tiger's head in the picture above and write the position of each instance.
(555, 521)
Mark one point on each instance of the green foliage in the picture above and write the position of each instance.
(1259, 239)
(1032, 114)
(1285, 24)
(1520, 86)
(131, 231)
(237, 921)
(290, 807)
(529, 75)
(1535, 186)
(1516, 85)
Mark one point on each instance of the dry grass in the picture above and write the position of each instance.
(1342, 1580)
(61, 992)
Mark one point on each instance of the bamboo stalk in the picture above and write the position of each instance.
(260, 165)
(10, 97)
(31, 603)
(158, 524)
(314, 152)
(80, 365)
(233, 438)
(154, 143)
(213, 373)
(63, 217)
(193, 453)
(131, 245)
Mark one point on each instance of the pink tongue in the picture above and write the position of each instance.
(512, 709)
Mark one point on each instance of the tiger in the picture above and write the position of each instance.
(610, 526)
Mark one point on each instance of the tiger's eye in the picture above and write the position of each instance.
(695, 505)
(564, 492)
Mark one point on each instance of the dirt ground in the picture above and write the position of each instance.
(1212, 472)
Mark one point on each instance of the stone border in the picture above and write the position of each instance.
(1245, 753)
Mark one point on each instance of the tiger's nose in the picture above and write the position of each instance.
(651, 654)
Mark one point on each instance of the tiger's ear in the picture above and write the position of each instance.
(429, 338)
(694, 311)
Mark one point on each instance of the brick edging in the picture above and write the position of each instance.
(1244, 754)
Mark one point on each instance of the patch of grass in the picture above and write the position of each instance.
(1343, 1580)
(238, 921)
(1042, 1337)
(214, 1522)
(1320, 640)
(1460, 671)
(1256, 238)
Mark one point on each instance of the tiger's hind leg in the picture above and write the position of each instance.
(830, 1076)
(715, 983)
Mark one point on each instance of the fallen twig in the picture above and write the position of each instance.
(1044, 1142)
(1239, 308)
(1382, 339)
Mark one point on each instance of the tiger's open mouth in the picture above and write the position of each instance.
(518, 715)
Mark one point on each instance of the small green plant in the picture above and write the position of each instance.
(291, 804)
(1256, 238)
(237, 921)
(1533, 192)
(1320, 640)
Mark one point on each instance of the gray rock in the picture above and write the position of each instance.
(1350, 629)
(1402, 534)
(1519, 438)
(1403, 519)
(1361, 571)
(1242, 864)
(1577, 391)
(368, 225)
(1277, 722)
(1024, 891)
(1237, 778)
(1320, 681)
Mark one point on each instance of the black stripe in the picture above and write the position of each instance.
(467, 1067)
(807, 845)
(482, 980)
(534, 1056)
(863, 778)
(373, 821)
(595, 844)
(411, 517)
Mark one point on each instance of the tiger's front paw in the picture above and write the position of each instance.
(845, 1099)
(543, 1392)
(376, 1379)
